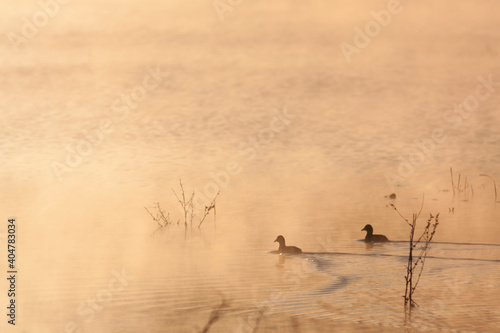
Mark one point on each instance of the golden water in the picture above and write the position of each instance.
(263, 107)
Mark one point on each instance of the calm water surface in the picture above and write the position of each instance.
(263, 107)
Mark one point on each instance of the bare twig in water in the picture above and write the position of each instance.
(466, 189)
(208, 209)
(494, 183)
(452, 183)
(427, 236)
(191, 210)
(160, 218)
(188, 209)
(215, 315)
(397, 211)
(186, 205)
(416, 261)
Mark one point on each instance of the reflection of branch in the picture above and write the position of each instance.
(208, 209)
(215, 315)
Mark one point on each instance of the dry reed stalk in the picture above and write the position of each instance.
(416, 262)
(494, 184)
(188, 209)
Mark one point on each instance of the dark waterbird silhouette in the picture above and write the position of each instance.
(370, 237)
(286, 249)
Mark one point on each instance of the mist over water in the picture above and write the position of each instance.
(108, 105)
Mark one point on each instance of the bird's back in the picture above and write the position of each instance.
(377, 238)
(293, 250)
